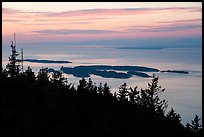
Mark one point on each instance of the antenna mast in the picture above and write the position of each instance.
(22, 58)
(16, 53)
(14, 40)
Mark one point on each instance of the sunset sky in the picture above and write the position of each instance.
(162, 35)
(35, 22)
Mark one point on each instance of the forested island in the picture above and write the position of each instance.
(46, 61)
(107, 71)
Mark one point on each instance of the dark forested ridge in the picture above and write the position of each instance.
(45, 104)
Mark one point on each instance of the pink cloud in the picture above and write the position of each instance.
(98, 12)
(79, 22)
(10, 11)
(183, 21)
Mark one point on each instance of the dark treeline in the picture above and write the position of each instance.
(43, 105)
(48, 105)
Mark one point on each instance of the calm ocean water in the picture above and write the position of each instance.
(183, 91)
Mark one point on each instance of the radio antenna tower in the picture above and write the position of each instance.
(21, 53)
(14, 40)
(22, 59)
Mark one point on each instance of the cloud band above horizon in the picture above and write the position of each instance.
(102, 23)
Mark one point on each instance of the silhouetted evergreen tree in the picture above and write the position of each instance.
(123, 93)
(194, 128)
(106, 90)
(150, 98)
(13, 65)
(30, 75)
(100, 89)
(173, 116)
(91, 87)
(43, 77)
(58, 79)
(82, 85)
(4, 73)
(134, 96)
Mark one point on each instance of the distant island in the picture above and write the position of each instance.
(146, 48)
(106, 71)
(45, 61)
(176, 71)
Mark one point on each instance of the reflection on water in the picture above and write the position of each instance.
(183, 92)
